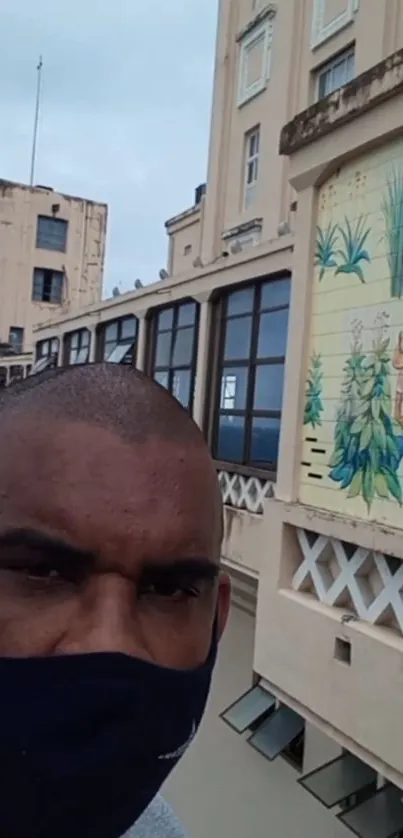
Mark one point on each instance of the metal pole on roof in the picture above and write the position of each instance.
(36, 121)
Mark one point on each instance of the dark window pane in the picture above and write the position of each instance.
(248, 709)
(269, 381)
(111, 332)
(231, 434)
(234, 382)
(109, 347)
(273, 334)
(181, 386)
(264, 441)
(162, 378)
(276, 293)
(187, 314)
(183, 347)
(51, 233)
(278, 731)
(163, 351)
(56, 289)
(237, 338)
(240, 302)
(165, 319)
(119, 353)
(85, 338)
(128, 328)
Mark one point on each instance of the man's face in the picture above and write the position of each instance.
(106, 546)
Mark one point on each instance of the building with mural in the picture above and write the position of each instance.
(279, 326)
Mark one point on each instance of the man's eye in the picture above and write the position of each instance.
(39, 573)
(172, 592)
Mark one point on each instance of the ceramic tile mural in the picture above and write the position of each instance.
(352, 459)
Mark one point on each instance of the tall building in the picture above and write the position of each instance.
(52, 250)
(279, 325)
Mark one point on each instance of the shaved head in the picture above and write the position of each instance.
(110, 519)
(113, 396)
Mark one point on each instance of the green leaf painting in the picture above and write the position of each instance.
(353, 251)
(313, 392)
(392, 209)
(366, 453)
(342, 247)
(325, 250)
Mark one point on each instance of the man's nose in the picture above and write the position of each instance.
(105, 619)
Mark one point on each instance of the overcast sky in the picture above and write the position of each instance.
(125, 111)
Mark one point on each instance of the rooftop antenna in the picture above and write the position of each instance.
(36, 121)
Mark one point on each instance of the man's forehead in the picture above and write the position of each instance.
(86, 481)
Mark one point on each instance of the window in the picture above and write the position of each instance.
(47, 286)
(16, 338)
(174, 350)
(51, 233)
(119, 340)
(282, 732)
(336, 73)
(254, 65)
(252, 142)
(47, 348)
(253, 337)
(78, 347)
(327, 22)
(342, 780)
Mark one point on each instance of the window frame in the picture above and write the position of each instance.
(264, 470)
(263, 30)
(330, 66)
(250, 188)
(67, 349)
(151, 367)
(19, 348)
(52, 271)
(102, 342)
(57, 222)
(55, 341)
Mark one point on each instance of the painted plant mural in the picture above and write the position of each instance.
(392, 209)
(313, 392)
(342, 247)
(353, 451)
(368, 442)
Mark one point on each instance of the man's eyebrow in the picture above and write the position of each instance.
(43, 545)
(183, 570)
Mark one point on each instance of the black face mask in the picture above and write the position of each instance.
(86, 741)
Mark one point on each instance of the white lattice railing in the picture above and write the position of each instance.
(244, 492)
(366, 583)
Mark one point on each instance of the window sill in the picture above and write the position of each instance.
(248, 96)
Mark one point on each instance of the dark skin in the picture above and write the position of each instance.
(107, 545)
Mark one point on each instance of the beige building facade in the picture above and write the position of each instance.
(52, 250)
(279, 326)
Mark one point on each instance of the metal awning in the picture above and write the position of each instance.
(248, 709)
(277, 732)
(333, 782)
(379, 817)
(119, 352)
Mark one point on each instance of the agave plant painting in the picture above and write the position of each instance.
(367, 449)
(325, 250)
(313, 392)
(392, 209)
(353, 251)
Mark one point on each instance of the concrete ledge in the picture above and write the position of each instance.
(381, 82)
